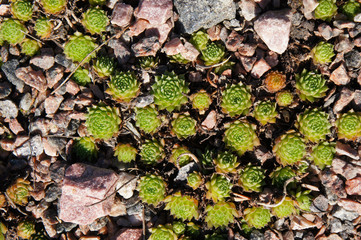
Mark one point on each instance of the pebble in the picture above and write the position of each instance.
(57, 171)
(259, 68)
(128, 183)
(35, 79)
(9, 70)
(353, 59)
(5, 89)
(335, 225)
(343, 214)
(45, 60)
(346, 150)
(339, 76)
(319, 204)
(54, 75)
(53, 192)
(210, 121)
(249, 9)
(350, 205)
(148, 46)
(160, 31)
(309, 7)
(353, 186)
(155, 12)
(98, 224)
(8, 109)
(256, 235)
(185, 170)
(63, 61)
(129, 234)
(346, 169)
(52, 104)
(122, 14)
(333, 184)
(357, 18)
(345, 98)
(121, 51)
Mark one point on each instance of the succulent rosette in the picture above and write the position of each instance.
(199, 40)
(221, 214)
(53, 6)
(275, 81)
(265, 112)
(281, 175)
(289, 148)
(22, 10)
(284, 98)
(152, 189)
(179, 228)
(252, 178)
(351, 8)
(19, 192)
(325, 10)
(219, 188)
(323, 154)
(314, 125)
(236, 100)
(176, 152)
(213, 53)
(304, 200)
(30, 47)
(84, 149)
(201, 101)
(182, 207)
(43, 27)
(25, 229)
(81, 77)
(104, 66)
(178, 58)
(151, 152)
(162, 233)
(184, 126)
(285, 209)
(148, 62)
(311, 86)
(257, 217)
(95, 20)
(194, 180)
(123, 86)
(349, 125)
(147, 119)
(79, 47)
(322, 53)
(12, 31)
(125, 153)
(226, 162)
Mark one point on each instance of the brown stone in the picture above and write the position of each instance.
(353, 186)
(259, 68)
(129, 234)
(339, 76)
(32, 78)
(122, 14)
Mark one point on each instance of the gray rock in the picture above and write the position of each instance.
(256, 235)
(65, 227)
(5, 89)
(98, 224)
(52, 193)
(8, 109)
(33, 147)
(26, 102)
(345, 98)
(9, 70)
(194, 15)
(249, 9)
(127, 183)
(135, 209)
(45, 60)
(185, 170)
(57, 171)
(63, 61)
(343, 214)
(335, 225)
(319, 204)
(353, 59)
(143, 101)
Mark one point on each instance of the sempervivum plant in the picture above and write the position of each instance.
(125, 152)
(314, 124)
(289, 148)
(147, 119)
(351, 8)
(178, 58)
(148, 62)
(265, 112)
(240, 136)
(281, 175)
(12, 31)
(252, 178)
(311, 85)
(95, 20)
(194, 180)
(81, 76)
(226, 162)
(104, 66)
(25, 229)
(53, 6)
(123, 86)
(213, 53)
(169, 90)
(19, 191)
(285, 209)
(43, 27)
(199, 40)
(201, 101)
(322, 53)
(84, 149)
(304, 200)
(221, 214)
(79, 47)
(349, 125)
(176, 152)
(257, 217)
(323, 154)
(162, 233)
(152, 189)
(151, 152)
(236, 100)
(182, 207)
(219, 188)
(325, 10)
(22, 10)
(103, 121)
(275, 81)
(184, 126)
(284, 98)
(30, 47)
(39, 236)
(179, 227)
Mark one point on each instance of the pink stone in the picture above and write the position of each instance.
(160, 31)
(350, 205)
(339, 76)
(138, 27)
(249, 9)
(32, 78)
(348, 170)
(263, 3)
(174, 47)
(272, 59)
(5, 10)
(234, 41)
(7, 144)
(191, 53)
(121, 52)
(211, 120)
(214, 33)
(247, 49)
(49, 149)
(72, 87)
(247, 62)
(274, 29)
(259, 68)
(353, 186)
(309, 7)
(52, 104)
(148, 46)
(83, 188)
(45, 60)
(54, 75)
(156, 12)
(122, 14)
(15, 126)
(129, 234)
(345, 98)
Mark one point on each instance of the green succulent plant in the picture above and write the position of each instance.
(81, 77)
(351, 8)
(12, 31)
(79, 47)
(148, 62)
(184, 126)
(176, 152)
(169, 90)
(43, 27)
(216, 236)
(194, 180)
(53, 6)
(281, 175)
(193, 229)
(322, 53)
(236, 99)
(314, 124)
(19, 192)
(275, 81)
(226, 162)
(323, 154)
(25, 229)
(289, 148)
(240, 136)
(349, 125)
(265, 112)
(221, 214)
(257, 217)
(152, 189)
(311, 86)
(3, 230)
(147, 119)
(104, 66)
(151, 152)
(304, 200)
(285, 209)
(179, 227)
(207, 156)
(125, 153)
(252, 178)
(178, 58)
(201, 101)
(39, 236)
(103, 121)
(123, 86)
(95, 20)
(284, 98)
(199, 40)
(213, 53)
(182, 207)
(22, 10)
(84, 149)
(325, 10)
(219, 188)
(162, 233)
(30, 47)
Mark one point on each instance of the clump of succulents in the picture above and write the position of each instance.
(152, 189)
(349, 125)
(219, 188)
(314, 124)
(304, 200)
(43, 27)
(79, 47)
(241, 136)
(201, 101)
(12, 31)
(323, 154)
(81, 76)
(25, 229)
(275, 81)
(184, 126)
(281, 175)
(199, 40)
(103, 121)
(194, 180)
(169, 90)
(285, 209)
(84, 149)
(176, 152)
(22, 9)
(162, 233)
(257, 217)
(125, 153)
(123, 86)
(147, 119)
(252, 178)
(311, 85)
(221, 214)
(322, 53)
(265, 112)
(289, 148)
(95, 20)
(284, 98)
(182, 207)
(53, 6)
(30, 47)
(325, 10)
(19, 191)
(104, 66)
(236, 100)
(351, 8)
(151, 152)
(226, 162)
(148, 62)
(179, 227)
(178, 58)
(213, 53)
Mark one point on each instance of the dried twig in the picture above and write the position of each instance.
(214, 65)
(193, 157)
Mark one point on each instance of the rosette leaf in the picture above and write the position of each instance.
(176, 152)
(95, 20)
(178, 58)
(252, 178)
(284, 98)
(19, 191)
(30, 47)
(226, 162)
(84, 149)
(349, 125)
(22, 10)
(201, 101)
(147, 119)
(152, 189)
(12, 31)
(289, 149)
(182, 207)
(275, 81)
(53, 6)
(304, 200)
(218, 188)
(194, 180)
(257, 217)
(184, 126)
(213, 53)
(322, 53)
(311, 85)
(25, 229)
(281, 175)
(199, 40)
(125, 153)
(323, 154)
(81, 77)
(285, 209)
(314, 124)
(43, 27)
(221, 214)
(79, 47)
(104, 66)
(325, 10)
(151, 152)
(179, 228)
(169, 90)
(351, 8)
(265, 112)
(148, 62)
(123, 86)
(236, 100)
(162, 233)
